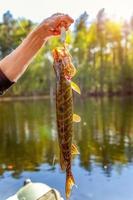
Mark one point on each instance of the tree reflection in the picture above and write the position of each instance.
(26, 139)
(106, 133)
(28, 134)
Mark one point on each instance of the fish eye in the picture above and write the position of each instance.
(60, 60)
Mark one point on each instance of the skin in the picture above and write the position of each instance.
(15, 64)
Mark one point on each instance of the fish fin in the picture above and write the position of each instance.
(76, 118)
(75, 87)
(62, 162)
(69, 184)
(74, 150)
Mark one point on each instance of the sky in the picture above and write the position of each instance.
(37, 10)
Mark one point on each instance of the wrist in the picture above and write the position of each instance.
(35, 36)
(41, 32)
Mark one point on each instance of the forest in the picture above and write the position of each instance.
(101, 49)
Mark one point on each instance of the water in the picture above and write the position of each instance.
(29, 148)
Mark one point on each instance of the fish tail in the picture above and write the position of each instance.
(69, 184)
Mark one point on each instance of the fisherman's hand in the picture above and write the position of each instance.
(52, 25)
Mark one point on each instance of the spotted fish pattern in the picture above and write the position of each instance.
(64, 112)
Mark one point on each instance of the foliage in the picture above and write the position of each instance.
(102, 51)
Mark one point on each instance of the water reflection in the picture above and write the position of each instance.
(107, 138)
(28, 134)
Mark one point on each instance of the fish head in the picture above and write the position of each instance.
(63, 63)
(58, 64)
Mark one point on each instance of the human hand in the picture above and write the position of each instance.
(52, 25)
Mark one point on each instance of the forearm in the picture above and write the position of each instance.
(17, 62)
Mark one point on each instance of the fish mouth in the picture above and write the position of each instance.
(61, 54)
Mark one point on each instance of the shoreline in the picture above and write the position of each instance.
(41, 97)
(23, 98)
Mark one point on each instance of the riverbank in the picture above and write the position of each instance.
(23, 98)
(83, 96)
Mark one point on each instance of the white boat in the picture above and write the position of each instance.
(36, 191)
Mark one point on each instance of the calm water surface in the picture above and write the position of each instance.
(29, 148)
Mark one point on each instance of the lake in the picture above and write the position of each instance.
(29, 148)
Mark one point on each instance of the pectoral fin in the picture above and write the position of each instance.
(74, 150)
(76, 118)
(75, 87)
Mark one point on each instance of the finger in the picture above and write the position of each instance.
(57, 26)
(62, 22)
(67, 18)
(62, 15)
(63, 18)
(57, 14)
(57, 29)
(56, 32)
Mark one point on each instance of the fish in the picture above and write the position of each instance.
(65, 70)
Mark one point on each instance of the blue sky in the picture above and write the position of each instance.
(37, 10)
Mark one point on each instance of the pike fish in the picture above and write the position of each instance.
(65, 70)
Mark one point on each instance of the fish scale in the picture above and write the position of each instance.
(64, 100)
(64, 111)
